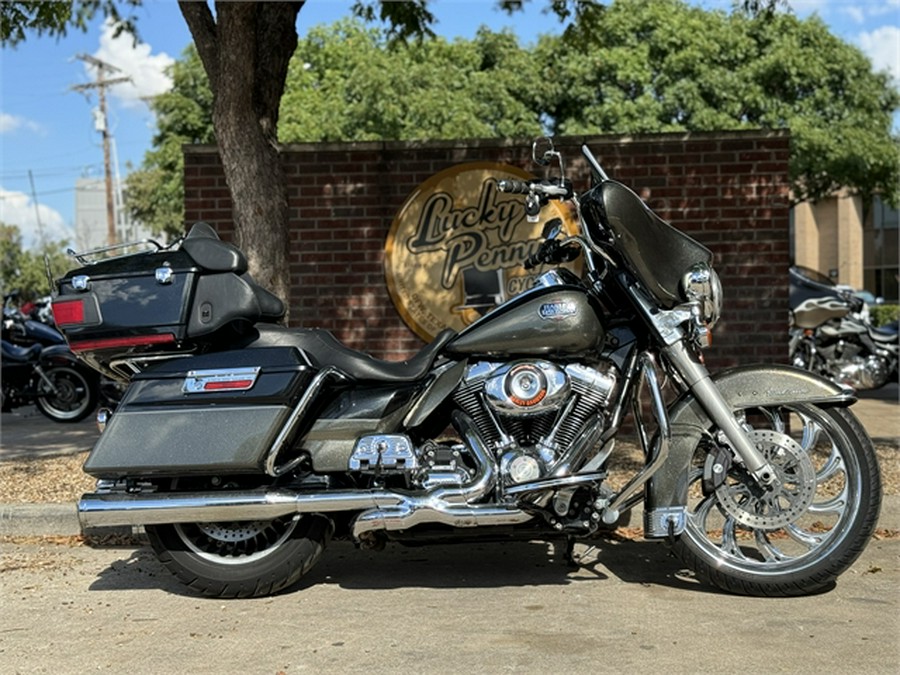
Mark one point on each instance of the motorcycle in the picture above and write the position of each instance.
(831, 334)
(33, 324)
(244, 447)
(50, 378)
(25, 327)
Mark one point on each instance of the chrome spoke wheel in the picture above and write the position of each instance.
(799, 533)
(237, 543)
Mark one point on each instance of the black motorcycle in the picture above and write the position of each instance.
(831, 334)
(52, 378)
(243, 447)
(25, 327)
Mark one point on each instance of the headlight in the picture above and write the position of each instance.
(701, 284)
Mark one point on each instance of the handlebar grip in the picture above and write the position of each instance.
(512, 186)
(532, 261)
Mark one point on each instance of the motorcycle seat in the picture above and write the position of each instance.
(19, 354)
(883, 334)
(323, 349)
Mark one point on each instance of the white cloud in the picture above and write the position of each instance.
(10, 123)
(884, 7)
(882, 45)
(134, 60)
(17, 208)
(856, 14)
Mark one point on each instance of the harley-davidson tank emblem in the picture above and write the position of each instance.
(558, 310)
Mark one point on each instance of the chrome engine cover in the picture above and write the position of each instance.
(527, 388)
(538, 417)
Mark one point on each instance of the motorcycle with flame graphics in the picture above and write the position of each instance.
(244, 447)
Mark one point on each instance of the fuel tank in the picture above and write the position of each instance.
(814, 312)
(543, 321)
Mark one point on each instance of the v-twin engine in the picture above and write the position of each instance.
(539, 418)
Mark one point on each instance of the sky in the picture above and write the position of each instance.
(48, 138)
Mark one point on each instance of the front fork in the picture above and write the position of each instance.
(46, 380)
(696, 377)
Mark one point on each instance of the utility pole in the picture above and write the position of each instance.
(100, 84)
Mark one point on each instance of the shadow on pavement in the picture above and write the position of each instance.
(493, 565)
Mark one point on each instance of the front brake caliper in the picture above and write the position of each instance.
(715, 469)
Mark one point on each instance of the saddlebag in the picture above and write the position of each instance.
(212, 414)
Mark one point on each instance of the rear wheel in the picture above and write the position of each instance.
(72, 398)
(242, 559)
(797, 538)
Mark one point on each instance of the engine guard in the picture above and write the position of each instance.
(743, 387)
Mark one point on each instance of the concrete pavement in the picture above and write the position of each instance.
(628, 607)
(488, 608)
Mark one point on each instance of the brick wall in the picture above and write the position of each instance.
(728, 190)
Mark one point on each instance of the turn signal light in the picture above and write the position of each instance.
(68, 312)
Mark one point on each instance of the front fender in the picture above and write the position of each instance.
(744, 387)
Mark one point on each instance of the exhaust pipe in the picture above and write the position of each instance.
(381, 510)
(111, 509)
(449, 505)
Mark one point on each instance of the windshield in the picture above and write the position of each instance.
(653, 250)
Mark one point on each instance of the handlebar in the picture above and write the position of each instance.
(512, 186)
(542, 188)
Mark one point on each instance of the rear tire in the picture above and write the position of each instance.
(242, 559)
(75, 397)
(798, 539)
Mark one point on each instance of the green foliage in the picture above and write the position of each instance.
(884, 314)
(154, 194)
(25, 270)
(18, 17)
(629, 66)
(662, 65)
(346, 84)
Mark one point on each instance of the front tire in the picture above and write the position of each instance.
(242, 559)
(797, 539)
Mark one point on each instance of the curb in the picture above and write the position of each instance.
(62, 519)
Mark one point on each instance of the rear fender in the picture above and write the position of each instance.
(744, 387)
(61, 355)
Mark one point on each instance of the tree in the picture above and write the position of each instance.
(346, 82)
(662, 65)
(155, 193)
(245, 48)
(25, 271)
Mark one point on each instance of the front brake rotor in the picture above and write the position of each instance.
(771, 508)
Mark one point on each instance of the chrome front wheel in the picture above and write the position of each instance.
(798, 536)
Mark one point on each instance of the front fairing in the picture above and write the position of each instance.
(652, 250)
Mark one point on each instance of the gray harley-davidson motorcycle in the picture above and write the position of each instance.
(244, 447)
(832, 336)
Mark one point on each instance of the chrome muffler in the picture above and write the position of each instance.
(110, 509)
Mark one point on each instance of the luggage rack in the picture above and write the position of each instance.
(95, 255)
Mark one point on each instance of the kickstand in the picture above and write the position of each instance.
(570, 553)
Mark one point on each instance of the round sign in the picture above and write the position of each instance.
(457, 247)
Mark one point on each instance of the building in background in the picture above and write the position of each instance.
(854, 246)
(90, 217)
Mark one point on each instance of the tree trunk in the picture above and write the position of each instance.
(245, 51)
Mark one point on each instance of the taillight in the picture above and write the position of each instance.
(122, 342)
(68, 312)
